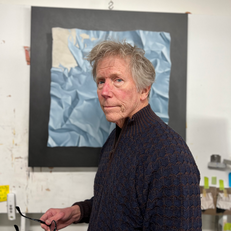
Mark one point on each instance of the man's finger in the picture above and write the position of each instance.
(45, 227)
(44, 217)
(56, 218)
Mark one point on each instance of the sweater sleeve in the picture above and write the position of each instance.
(85, 209)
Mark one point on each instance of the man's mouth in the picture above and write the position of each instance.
(109, 106)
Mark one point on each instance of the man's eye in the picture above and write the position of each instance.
(118, 80)
(100, 82)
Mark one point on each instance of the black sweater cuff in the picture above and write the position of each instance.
(85, 209)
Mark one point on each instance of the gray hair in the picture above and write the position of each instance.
(142, 69)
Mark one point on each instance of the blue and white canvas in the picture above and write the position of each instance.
(76, 118)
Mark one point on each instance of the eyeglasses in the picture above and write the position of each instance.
(16, 227)
(52, 226)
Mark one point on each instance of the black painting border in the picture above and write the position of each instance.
(42, 20)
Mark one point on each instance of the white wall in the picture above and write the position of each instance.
(209, 94)
(205, 7)
(208, 101)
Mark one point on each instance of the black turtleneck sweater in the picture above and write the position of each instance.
(147, 180)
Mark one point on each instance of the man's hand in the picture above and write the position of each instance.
(63, 217)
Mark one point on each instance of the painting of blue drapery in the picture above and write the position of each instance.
(76, 118)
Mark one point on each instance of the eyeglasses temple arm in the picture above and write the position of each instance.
(18, 209)
(16, 227)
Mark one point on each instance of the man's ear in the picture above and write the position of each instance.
(144, 93)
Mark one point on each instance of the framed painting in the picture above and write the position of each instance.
(42, 151)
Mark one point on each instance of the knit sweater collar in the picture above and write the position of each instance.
(139, 121)
(133, 126)
(145, 112)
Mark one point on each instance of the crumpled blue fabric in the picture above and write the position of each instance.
(76, 118)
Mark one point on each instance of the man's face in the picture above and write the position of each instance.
(116, 89)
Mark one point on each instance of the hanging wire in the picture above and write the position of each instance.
(110, 5)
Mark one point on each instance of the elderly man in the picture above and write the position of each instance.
(147, 178)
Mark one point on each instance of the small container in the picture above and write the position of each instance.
(215, 162)
(230, 179)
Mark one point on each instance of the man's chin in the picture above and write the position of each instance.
(110, 119)
(118, 121)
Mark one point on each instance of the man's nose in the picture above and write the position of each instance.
(107, 89)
